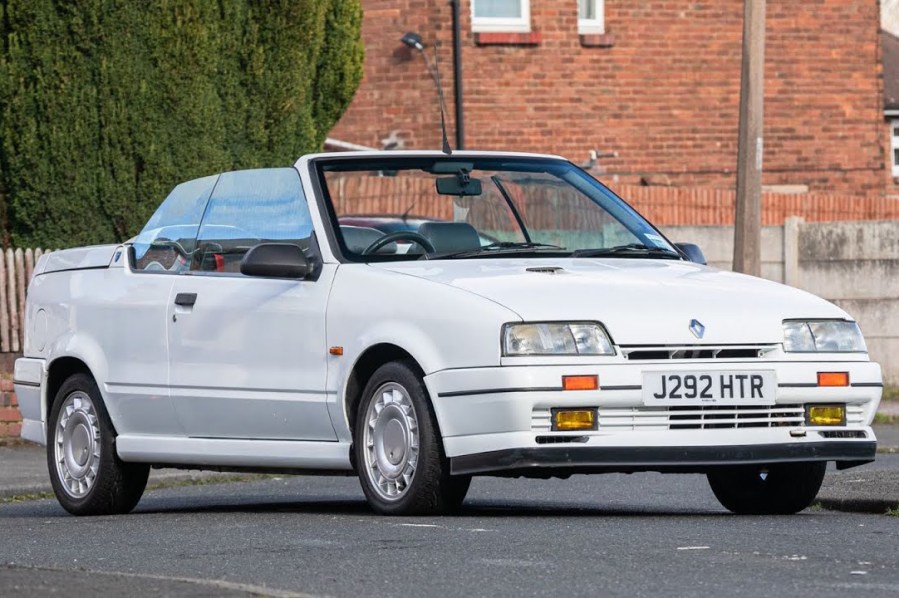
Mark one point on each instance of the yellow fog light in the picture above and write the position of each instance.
(565, 420)
(825, 415)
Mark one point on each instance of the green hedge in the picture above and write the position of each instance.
(105, 105)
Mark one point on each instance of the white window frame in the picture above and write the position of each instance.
(894, 145)
(505, 25)
(593, 26)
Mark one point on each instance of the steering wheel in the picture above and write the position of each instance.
(166, 242)
(403, 235)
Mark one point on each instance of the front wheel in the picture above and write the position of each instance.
(780, 489)
(399, 456)
(88, 477)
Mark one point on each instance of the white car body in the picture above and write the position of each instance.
(245, 378)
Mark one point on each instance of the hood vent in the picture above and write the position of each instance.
(546, 269)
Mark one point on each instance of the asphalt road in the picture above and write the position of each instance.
(613, 535)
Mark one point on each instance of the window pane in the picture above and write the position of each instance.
(586, 9)
(250, 207)
(505, 9)
(896, 157)
(168, 239)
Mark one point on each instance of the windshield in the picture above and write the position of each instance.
(473, 207)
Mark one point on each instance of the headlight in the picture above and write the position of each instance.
(556, 338)
(826, 336)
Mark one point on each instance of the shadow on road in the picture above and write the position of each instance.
(471, 509)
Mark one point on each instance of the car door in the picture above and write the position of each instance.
(135, 332)
(247, 356)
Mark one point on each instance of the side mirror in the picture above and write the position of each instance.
(275, 260)
(693, 253)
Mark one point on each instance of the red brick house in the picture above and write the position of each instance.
(656, 82)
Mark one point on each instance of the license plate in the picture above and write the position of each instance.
(709, 388)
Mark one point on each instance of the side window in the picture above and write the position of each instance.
(168, 240)
(250, 207)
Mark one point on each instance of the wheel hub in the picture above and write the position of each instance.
(391, 441)
(77, 444)
(395, 441)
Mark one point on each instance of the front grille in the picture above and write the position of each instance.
(656, 353)
(560, 439)
(843, 434)
(855, 415)
(653, 419)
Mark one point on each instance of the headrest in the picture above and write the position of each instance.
(449, 237)
(358, 238)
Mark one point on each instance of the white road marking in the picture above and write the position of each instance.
(693, 547)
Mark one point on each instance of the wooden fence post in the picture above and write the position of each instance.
(12, 300)
(4, 312)
(21, 281)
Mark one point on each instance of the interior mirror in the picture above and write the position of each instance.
(275, 260)
(693, 253)
(460, 186)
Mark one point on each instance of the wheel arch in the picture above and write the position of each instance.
(366, 365)
(60, 370)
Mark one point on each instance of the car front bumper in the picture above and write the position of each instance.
(568, 459)
(495, 420)
(29, 378)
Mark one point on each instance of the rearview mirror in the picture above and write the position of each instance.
(693, 253)
(275, 260)
(460, 186)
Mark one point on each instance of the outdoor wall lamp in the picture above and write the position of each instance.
(413, 40)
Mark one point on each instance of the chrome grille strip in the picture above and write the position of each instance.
(680, 418)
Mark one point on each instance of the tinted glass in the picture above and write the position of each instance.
(168, 240)
(251, 207)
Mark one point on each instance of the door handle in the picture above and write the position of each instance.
(185, 299)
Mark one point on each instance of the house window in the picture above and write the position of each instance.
(894, 135)
(590, 16)
(501, 15)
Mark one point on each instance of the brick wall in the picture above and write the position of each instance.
(10, 420)
(661, 88)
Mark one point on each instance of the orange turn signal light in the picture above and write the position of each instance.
(833, 378)
(580, 382)
(338, 351)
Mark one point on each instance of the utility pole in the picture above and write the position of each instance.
(748, 213)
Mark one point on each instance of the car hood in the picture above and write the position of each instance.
(640, 301)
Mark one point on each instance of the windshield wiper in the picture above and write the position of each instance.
(500, 247)
(629, 250)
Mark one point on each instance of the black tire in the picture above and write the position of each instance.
(431, 490)
(114, 487)
(780, 489)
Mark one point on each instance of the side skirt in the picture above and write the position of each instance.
(233, 454)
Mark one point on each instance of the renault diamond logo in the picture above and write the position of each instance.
(697, 328)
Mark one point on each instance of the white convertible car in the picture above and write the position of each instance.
(530, 323)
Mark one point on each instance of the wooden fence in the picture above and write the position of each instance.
(687, 206)
(664, 206)
(16, 267)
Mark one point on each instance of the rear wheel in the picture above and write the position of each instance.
(88, 477)
(780, 489)
(398, 449)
